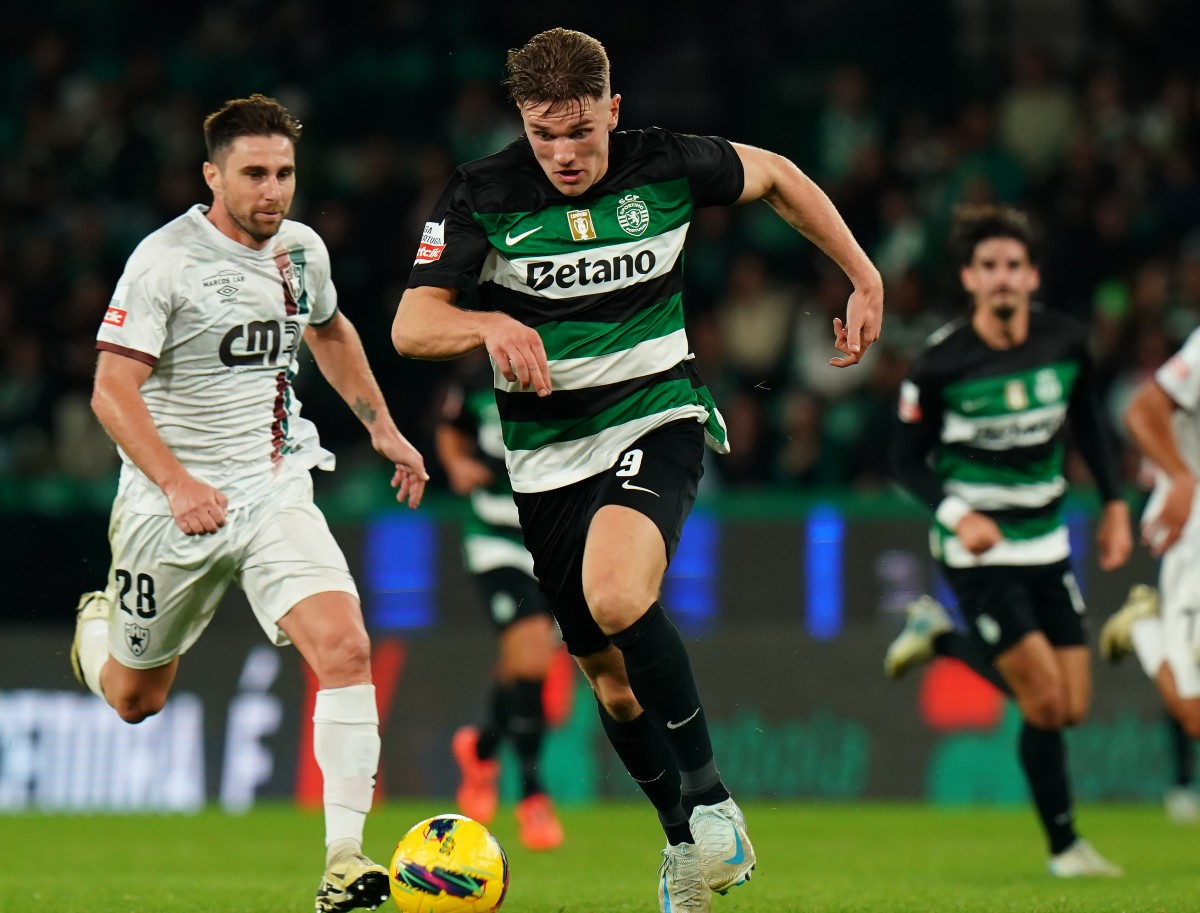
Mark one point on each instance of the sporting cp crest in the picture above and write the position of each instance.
(633, 215)
(580, 221)
(137, 637)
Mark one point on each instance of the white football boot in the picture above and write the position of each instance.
(726, 855)
(1182, 805)
(1080, 860)
(681, 887)
(351, 882)
(925, 620)
(1116, 635)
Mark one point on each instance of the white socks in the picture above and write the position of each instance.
(93, 652)
(1150, 644)
(346, 745)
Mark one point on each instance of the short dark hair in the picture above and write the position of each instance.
(559, 66)
(253, 116)
(976, 224)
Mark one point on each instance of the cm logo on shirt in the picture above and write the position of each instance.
(259, 342)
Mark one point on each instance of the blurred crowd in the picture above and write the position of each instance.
(101, 143)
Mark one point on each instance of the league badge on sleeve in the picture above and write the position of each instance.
(433, 242)
(910, 402)
(115, 316)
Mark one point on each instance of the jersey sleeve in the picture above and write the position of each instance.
(713, 169)
(453, 245)
(920, 416)
(323, 295)
(135, 323)
(1180, 375)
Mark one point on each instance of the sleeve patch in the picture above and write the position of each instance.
(910, 402)
(433, 242)
(114, 316)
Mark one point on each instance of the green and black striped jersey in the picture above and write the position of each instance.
(492, 534)
(983, 429)
(600, 276)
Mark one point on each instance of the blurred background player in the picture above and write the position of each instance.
(198, 350)
(470, 445)
(573, 237)
(983, 416)
(1162, 419)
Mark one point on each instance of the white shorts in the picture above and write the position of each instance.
(1179, 601)
(166, 585)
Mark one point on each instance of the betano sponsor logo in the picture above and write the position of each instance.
(541, 274)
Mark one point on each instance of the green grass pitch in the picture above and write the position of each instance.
(812, 857)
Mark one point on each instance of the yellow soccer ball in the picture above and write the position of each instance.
(449, 864)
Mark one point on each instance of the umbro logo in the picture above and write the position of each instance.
(511, 239)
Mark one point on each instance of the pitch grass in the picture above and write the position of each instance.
(812, 858)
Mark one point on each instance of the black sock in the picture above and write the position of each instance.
(1182, 752)
(645, 755)
(1044, 757)
(527, 726)
(660, 675)
(493, 728)
(960, 646)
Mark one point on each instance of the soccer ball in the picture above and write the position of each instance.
(448, 864)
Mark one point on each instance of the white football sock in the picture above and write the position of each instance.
(1149, 644)
(93, 652)
(346, 745)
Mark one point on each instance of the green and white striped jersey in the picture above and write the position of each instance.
(985, 428)
(492, 534)
(600, 276)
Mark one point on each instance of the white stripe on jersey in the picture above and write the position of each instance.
(1005, 497)
(645, 358)
(640, 261)
(486, 553)
(1053, 546)
(1002, 432)
(562, 464)
(498, 510)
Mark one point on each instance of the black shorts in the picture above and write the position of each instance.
(658, 475)
(511, 594)
(1003, 604)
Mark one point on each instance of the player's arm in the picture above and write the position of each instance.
(464, 471)
(118, 404)
(1148, 418)
(429, 325)
(916, 439)
(805, 206)
(1094, 439)
(339, 354)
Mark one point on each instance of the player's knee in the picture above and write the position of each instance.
(615, 605)
(134, 708)
(618, 701)
(1045, 709)
(344, 656)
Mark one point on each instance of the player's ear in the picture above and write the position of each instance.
(967, 278)
(614, 106)
(212, 176)
(1037, 280)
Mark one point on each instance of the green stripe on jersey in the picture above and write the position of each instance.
(579, 339)
(1006, 394)
(637, 212)
(642, 403)
(998, 468)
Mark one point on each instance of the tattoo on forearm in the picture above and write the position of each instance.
(364, 411)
